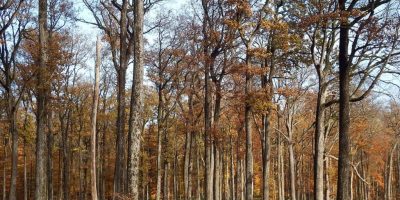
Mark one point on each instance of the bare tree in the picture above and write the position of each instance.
(94, 118)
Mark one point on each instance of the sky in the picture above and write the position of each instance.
(92, 31)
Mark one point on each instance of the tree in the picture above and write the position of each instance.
(136, 103)
(94, 119)
(42, 87)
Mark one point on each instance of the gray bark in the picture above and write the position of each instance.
(94, 120)
(136, 103)
(344, 168)
(41, 178)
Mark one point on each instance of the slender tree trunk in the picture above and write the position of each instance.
(65, 154)
(25, 174)
(136, 103)
(94, 120)
(50, 143)
(186, 170)
(198, 155)
(216, 173)
(248, 130)
(389, 172)
(4, 167)
(160, 133)
(14, 151)
(292, 163)
(232, 171)
(41, 179)
(103, 147)
(280, 165)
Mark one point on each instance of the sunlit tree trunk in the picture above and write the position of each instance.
(137, 104)
(94, 120)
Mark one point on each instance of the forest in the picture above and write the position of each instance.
(200, 99)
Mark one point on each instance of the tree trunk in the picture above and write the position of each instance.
(136, 103)
(232, 171)
(50, 143)
(292, 160)
(120, 166)
(319, 142)
(65, 125)
(41, 179)
(327, 186)
(217, 174)
(4, 167)
(186, 168)
(14, 152)
(248, 130)
(344, 168)
(94, 120)
(389, 177)
(160, 133)
(292, 163)
(25, 174)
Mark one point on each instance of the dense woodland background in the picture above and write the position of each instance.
(215, 100)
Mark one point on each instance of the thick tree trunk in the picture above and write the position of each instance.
(319, 143)
(166, 182)
(119, 174)
(41, 179)
(292, 160)
(327, 185)
(136, 103)
(344, 168)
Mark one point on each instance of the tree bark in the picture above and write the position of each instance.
(14, 152)
(94, 120)
(319, 142)
(136, 103)
(50, 143)
(344, 168)
(119, 173)
(41, 179)
(248, 130)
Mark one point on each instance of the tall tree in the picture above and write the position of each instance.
(136, 103)
(42, 86)
(94, 119)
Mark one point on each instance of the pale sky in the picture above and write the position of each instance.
(92, 31)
